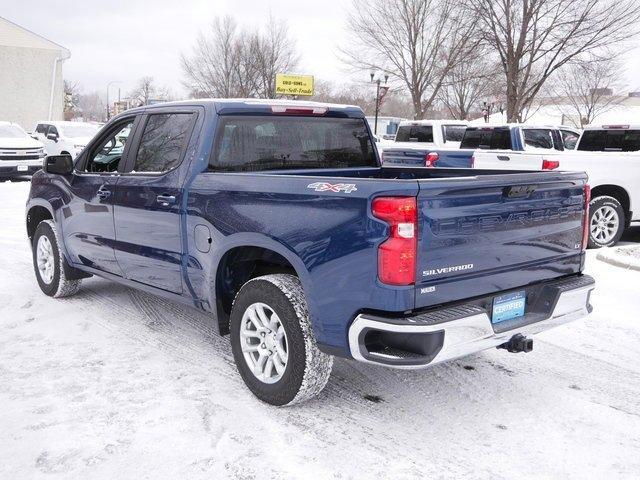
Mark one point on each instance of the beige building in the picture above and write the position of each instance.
(31, 86)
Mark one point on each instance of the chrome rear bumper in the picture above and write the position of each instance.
(453, 332)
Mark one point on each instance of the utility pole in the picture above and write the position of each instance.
(377, 81)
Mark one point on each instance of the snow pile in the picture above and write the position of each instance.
(115, 383)
(625, 256)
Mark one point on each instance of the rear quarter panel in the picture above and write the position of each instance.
(330, 238)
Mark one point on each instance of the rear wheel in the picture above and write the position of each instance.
(273, 343)
(606, 222)
(49, 263)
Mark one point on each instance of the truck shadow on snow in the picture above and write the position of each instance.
(190, 337)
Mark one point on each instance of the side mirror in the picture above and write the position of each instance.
(52, 136)
(58, 164)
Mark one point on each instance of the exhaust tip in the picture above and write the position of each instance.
(518, 343)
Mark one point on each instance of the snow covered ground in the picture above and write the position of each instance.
(113, 383)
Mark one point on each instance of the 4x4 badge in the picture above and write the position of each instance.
(333, 187)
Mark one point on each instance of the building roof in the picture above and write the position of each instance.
(13, 35)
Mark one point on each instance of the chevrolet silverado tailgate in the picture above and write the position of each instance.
(493, 232)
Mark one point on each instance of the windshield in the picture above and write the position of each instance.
(77, 131)
(11, 131)
(415, 133)
(255, 143)
(454, 133)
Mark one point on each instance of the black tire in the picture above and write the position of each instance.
(598, 240)
(60, 285)
(307, 369)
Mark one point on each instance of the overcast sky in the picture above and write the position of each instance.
(124, 40)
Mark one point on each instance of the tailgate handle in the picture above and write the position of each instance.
(519, 191)
(504, 158)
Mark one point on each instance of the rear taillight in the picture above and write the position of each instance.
(430, 159)
(550, 164)
(585, 222)
(397, 254)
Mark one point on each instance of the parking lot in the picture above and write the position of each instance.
(115, 380)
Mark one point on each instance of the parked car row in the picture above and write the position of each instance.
(609, 154)
(21, 153)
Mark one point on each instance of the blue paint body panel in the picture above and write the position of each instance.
(330, 238)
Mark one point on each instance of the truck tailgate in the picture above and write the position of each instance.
(490, 233)
(452, 158)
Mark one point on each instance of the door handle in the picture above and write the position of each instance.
(166, 200)
(103, 193)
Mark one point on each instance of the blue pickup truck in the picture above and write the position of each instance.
(514, 143)
(277, 218)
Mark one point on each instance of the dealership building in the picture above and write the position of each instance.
(31, 86)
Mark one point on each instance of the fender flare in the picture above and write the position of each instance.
(248, 239)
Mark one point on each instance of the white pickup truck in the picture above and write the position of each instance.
(610, 155)
(420, 134)
(61, 138)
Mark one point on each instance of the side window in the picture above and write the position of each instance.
(162, 142)
(106, 156)
(53, 130)
(41, 128)
(569, 139)
(538, 138)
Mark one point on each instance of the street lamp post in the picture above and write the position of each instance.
(377, 81)
(109, 85)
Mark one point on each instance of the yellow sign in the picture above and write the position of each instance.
(294, 84)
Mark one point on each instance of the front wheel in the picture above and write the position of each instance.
(273, 342)
(49, 263)
(606, 222)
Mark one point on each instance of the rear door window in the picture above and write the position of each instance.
(538, 138)
(162, 143)
(270, 142)
(415, 133)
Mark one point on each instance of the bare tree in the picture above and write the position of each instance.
(534, 38)
(71, 98)
(586, 89)
(229, 62)
(91, 106)
(210, 70)
(416, 42)
(466, 86)
(146, 90)
(274, 52)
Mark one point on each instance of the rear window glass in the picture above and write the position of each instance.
(454, 133)
(610, 141)
(487, 138)
(538, 138)
(255, 143)
(415, 133)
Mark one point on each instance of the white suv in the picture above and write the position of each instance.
(65, 137)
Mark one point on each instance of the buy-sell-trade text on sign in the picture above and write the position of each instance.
(294, 84)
